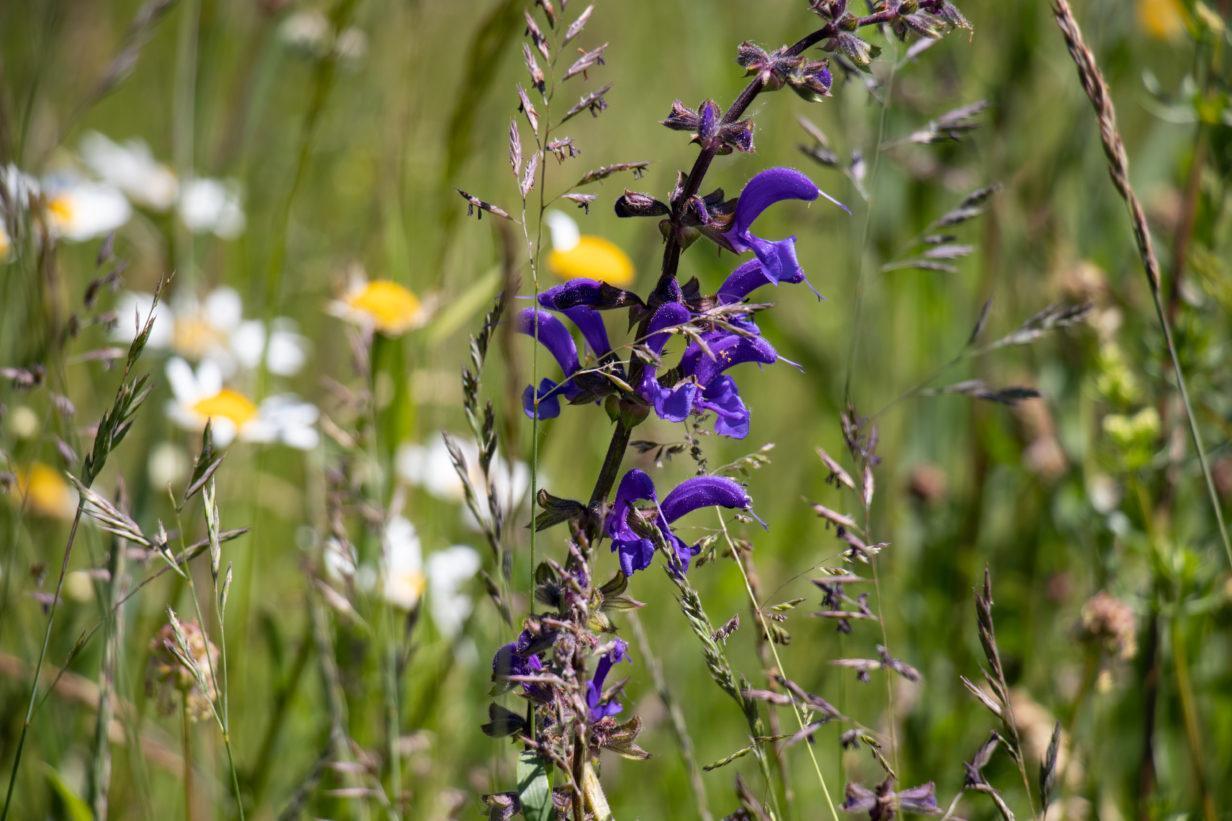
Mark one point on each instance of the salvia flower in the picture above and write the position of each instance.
(777, 257)
(576, 385)
(521, 658)
(598, 706)
(627, 526)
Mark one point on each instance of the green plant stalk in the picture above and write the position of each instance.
(1189, 712)
(719, 667)
(42, 658)
(100, 772)
(186, 754)
(220, 684)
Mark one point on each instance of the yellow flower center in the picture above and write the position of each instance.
(391, 307)
(5, 245)
(61, 211)
(227, 404)
(45, 490)
(405, 588)
(194, 336)
(593, 258)
(1161, 19)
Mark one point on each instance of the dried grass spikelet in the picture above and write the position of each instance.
(181, 667)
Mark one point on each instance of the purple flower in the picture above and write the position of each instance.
(676, 403)
(777, 257)
(703, 387)
(518, 658)
(555, 336)
(598, 707)
(746, 279)
(635, 550)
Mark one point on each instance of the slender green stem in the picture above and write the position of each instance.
(42, 658)
(186, 755)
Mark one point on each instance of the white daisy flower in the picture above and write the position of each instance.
(403, 581)
(79, 210)
(201, 396)
(430, 467)
(213, 207)
(130, 167)
(214, 328)
(406, 577)
(307, 30)
(448, 571)
(380, 305)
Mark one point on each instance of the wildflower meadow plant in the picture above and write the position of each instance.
(569, 716)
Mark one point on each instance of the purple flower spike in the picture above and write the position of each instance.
(778, 257)
(516, 659)
(746, 279)
(598, 708)
(723, 400)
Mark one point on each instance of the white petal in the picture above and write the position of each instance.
(287, 352)
(565, 233)
(223, 431)
(209, 377)
(183, 381)
(402, 549)
(224, 309)
(246, 343)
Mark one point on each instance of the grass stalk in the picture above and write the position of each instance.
(1096, 89)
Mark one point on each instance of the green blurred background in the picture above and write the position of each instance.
(355, 161)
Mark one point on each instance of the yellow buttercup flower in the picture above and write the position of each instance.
(1161, 19)
(45, 491)
(576, 255)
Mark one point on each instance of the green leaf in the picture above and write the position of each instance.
(72, 806)
(534, 789)
(461, 308)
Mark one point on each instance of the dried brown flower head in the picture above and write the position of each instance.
(1110, 622)
(182, 661)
